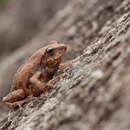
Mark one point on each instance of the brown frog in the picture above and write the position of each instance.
(32, 78)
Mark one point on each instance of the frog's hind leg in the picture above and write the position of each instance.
(15, 104)
(13, 97)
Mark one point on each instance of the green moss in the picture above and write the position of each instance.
(3, 2)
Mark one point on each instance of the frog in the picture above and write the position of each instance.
(32, 78)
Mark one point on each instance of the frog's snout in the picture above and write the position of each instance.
(63, 48)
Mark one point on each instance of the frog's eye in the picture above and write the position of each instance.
(50, 50)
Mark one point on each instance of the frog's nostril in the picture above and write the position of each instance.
(64, 48)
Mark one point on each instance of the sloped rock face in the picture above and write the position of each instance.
(95, 93)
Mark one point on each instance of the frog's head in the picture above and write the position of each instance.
(53, 54)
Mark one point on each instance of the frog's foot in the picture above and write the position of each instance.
(57, 78)
(47, 87)
(13, 97)
(15, 104)
(64, 66)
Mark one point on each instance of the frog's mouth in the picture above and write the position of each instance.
(52, 62)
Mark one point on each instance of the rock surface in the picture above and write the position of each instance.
(95, 93)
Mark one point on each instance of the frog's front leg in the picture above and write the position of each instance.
(13, 97)
(38, 84)
(57, 78)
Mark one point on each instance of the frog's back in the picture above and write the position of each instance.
(22, 76)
